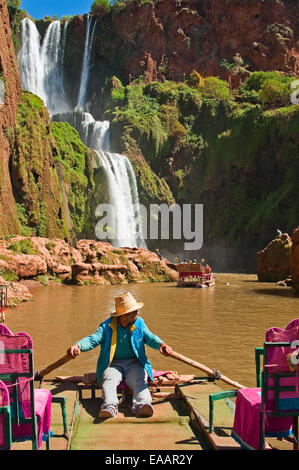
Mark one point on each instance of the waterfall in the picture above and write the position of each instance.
(94, 134)
(85, 67)
(29, 59)
(121, 180)
(120, 176)
(41, 65)
(41, 68)
(52, 62)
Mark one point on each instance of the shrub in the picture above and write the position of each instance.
(256, 80)
(215, 88)
(268, 88)
(195, 80)
(101, 5)
(275, 92)
(24, 246)
(8, 275)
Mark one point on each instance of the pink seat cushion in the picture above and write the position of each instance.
(19, 362)
(42, 402)
(246, 429)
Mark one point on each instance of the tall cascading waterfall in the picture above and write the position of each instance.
(122, 185)
(41, 65)
(41, 69)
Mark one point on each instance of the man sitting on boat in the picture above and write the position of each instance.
(122, 338)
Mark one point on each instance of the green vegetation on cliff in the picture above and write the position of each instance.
(235, 152)
(51, 173)
(75, 160)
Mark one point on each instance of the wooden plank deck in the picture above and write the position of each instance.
(196, 397)
(168, 429)
(177, 424)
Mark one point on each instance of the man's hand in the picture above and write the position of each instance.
(74, 351)
(165, 350)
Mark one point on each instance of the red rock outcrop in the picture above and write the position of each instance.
(10, 80)
(295, 259)
(16, 292)
(102, 264)
(273, 263)
(45, 260)
(171, 38)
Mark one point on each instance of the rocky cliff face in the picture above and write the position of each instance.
(37, 260)
(168, 39)
(51, 174)
(229, 152)
(10, 84)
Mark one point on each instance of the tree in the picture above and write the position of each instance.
(235, 67)
(224, 64)
(101, 5)
(14, 3)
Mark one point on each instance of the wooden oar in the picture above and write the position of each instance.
(210, 372)
(207, 370)
(42, 373)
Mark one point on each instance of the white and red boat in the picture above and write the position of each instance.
(195, 275)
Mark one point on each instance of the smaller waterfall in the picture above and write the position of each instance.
(85, 66)
(94, 134)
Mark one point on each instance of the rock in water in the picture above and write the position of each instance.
(273, 262)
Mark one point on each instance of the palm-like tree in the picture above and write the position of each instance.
(224, 64)
(235, 67)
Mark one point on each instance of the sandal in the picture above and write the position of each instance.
(108, 412)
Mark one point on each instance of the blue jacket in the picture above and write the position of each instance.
(106, 336)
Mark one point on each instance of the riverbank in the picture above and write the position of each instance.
(26, 261)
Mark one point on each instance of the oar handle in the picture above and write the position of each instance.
(63, 360)
(202, 367)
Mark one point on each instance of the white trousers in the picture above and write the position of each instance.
(135, 377)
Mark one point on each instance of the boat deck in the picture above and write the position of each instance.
(180, 422)
(167, 429)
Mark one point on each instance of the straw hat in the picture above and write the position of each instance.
(125, 303)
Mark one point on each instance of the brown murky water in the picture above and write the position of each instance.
(219, 327)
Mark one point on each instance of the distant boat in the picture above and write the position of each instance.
(194, 275)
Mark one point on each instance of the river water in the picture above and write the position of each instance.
(218, 327)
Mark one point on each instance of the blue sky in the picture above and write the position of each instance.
(40, 8)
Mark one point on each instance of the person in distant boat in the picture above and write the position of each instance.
(207, 269)
(122, 338)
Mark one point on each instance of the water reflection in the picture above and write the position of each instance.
(219, 327)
